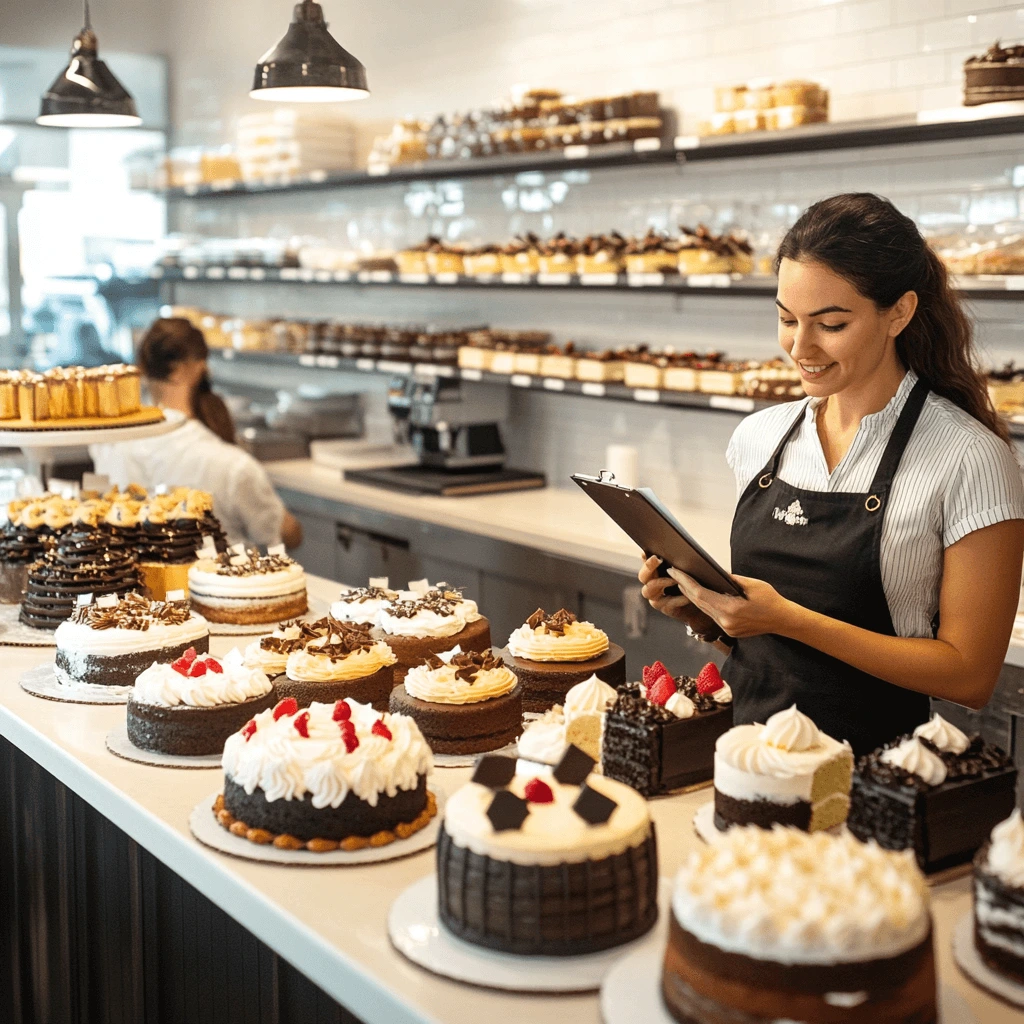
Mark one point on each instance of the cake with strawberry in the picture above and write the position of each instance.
(326, 777)
(190, 706)
(660, 734)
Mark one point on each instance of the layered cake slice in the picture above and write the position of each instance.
(999, 899)
(190, 706)
(364, 604)
(936, 792)
(326, 776)
(778, 925)
(111, 641)
(244, 587)
(660, 734)
(552, 653)
(785, 772)
(344, 662)
(465, 702)
(553, 865)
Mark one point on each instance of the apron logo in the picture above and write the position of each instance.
(792, 516)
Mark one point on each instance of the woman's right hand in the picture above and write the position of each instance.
(678, 607)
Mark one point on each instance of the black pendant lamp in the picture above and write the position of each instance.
(308, 65)
(86, 94)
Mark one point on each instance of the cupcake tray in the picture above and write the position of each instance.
(16, 634)
(118, 743)
(210, 832)
(41, 681)
(968, 959)
(417, 933)
(317, 610)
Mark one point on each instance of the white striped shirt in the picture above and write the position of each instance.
(955, 477)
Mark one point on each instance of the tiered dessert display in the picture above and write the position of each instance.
(784, 926)
(110, 641)
(765, 104)
(660, 734)
(465, 702)
(999, 899)
(785, 772)
(552, 653)
(73, 397)
(555, 865)
(994, 77)
(326, 777)
(241, 587)
(191, 705)
(937, 792)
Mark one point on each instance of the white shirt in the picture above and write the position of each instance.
(955, 477)
(244, 500)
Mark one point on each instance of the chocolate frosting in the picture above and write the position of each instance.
(978, 759)
(19, 544)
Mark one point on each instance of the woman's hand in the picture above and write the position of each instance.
(763, 610)
(675, 607)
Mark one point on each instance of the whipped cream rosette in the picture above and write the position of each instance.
(579, 722)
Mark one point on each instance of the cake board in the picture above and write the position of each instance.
(969, 960)
(205, 827)
(416, 932)
(318, 608)
(41, 681)
(14, 633)
(119, 744)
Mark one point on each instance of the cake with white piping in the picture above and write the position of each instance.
(326, 776)
(465, 702)
(554, 864)
(999, 899)
(270, 653)
(937, 791)
(552, 653)
(363, 605)
(779, 925)
(785, 772)
(242, 587)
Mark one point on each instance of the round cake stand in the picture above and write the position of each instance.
(417, 933)
(704, 823)
(968, 959)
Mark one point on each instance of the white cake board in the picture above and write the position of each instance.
(118, 743)
(968, 959)
(318, 608)
(16, 634)
(40, 681)
(209, 831)
(417, 933)
(468, 760)
(631, 993)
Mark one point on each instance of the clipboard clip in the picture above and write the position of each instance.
(606, 476)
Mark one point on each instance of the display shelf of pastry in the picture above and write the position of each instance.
(766, 105)
(995, 76)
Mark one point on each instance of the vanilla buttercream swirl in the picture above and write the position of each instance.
(287, 766)
(439, 682)
(591, 697)
(744, 748)
(310, 665)
(580, 641)
(791, 730)
(913, 756)
(943, 735)
(165, 687)
(1006, 850)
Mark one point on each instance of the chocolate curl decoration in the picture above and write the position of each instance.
(467, 664)
(555, 624)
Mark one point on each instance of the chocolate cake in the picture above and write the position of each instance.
(935, 791)
(464, 703)
(660, 735)
(997, 75)
(19, 548)
(999, 899)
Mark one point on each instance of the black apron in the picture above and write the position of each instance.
(821, 549)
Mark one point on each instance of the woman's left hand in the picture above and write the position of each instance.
(763, 610)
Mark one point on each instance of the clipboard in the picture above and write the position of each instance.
(639, 512)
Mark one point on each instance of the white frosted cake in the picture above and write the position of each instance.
(363, 605)
(999, 899)
(243, 588)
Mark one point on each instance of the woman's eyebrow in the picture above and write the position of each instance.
(818, 312)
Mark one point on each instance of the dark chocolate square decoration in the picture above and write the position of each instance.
(574, 767)
(507, 811)
(495, 771)
(593, 807)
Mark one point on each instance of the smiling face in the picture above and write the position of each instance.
(838, 338)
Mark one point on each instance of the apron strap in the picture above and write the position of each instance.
(898, 440)
(767, 475)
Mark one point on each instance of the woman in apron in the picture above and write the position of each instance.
(878, 535)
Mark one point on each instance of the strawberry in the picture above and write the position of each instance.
(661, 690)
(710, 679)
(197, 669)
(214, 666)
(190, 655)
(288, 706)
(249, 729)
(301, 723)
(342, 712)
(537, 791)
(348, 736)
(181, 666)
(380, 729)
(652, 673)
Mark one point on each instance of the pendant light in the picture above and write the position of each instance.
(86, 94)
(308, 65)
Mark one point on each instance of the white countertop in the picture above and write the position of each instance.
(331, 923)
(558, 521)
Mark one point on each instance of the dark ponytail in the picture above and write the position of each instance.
(866, 240)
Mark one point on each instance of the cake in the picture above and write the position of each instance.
(111, 641)
(936, 791)
(190, 706)
(554, 865)
(324, 777)
(785, 772)
(85, 561)
(20, 546)
(999, 899)
(246, 588)
(428, 621)
(364, 604)
(778, 925)
(660, 734)
(344, 661)
(270, 653)
(552, 653)
(996, 76)
(465, 702)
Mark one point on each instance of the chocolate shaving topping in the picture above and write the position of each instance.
(134, 612)
(442, 599)
(555, 624)
(341, 640)
(307, 631)
(468, 664)
(258, 565)
(977, 760)
(360, 595)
